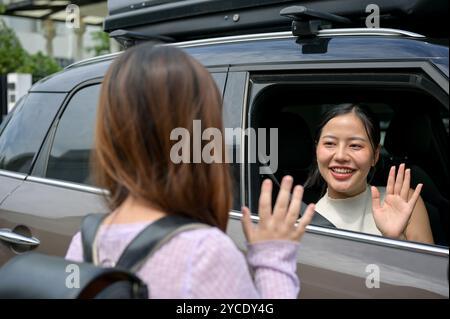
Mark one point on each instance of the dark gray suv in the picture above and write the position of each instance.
(401, 76)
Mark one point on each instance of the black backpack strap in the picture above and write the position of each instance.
(153, 237)
(89, 228)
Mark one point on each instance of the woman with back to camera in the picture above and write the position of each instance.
(147, 92)
(347, 149)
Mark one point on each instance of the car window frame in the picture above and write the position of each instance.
(424, 66)
(38, 170)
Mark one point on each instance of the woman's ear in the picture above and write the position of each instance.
(376, 155)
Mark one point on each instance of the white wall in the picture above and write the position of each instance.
(31, 35)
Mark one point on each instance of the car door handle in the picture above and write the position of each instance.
(11, 237)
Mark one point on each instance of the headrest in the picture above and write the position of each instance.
(409, 135)
(295, 144)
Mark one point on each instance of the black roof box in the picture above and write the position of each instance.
(196, 19)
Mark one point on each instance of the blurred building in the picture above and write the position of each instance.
(57, 28)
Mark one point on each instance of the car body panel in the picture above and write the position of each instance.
(282, 50)
(331, 264)
(51, 213)
(8, 184)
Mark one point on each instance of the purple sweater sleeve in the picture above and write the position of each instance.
(205, 263)
(221, 270)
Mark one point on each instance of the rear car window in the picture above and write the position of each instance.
(22, 136)
(70, 152)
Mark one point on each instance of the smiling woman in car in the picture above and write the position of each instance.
(347, 150)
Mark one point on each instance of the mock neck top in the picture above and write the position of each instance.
(352, 213)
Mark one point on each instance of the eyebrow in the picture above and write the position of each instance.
(351, 138)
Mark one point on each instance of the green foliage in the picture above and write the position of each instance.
(101, 43)
(12, 55)
(39, 65)
(13, 58)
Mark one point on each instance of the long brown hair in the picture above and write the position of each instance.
(147, 92)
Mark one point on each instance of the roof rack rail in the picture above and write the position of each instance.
(128, 38)
(308, 22)
(266, 36)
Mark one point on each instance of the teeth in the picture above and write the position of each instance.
(342, 170)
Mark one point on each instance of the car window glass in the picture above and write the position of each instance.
(22, 137)
(70, 152)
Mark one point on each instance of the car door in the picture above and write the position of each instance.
(335, 263)
(20, 141)
(51, 201)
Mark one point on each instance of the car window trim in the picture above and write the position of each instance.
(68, 185)
(426, 66)
(11, 174)
(365, 238)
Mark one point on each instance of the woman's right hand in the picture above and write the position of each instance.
(279, 225)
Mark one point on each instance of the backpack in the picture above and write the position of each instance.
(38, 276)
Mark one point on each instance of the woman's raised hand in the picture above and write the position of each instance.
(393, 216)
(281, 224)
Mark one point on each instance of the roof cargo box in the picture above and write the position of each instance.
(196, 19)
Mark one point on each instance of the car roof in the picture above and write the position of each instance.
(280, 47)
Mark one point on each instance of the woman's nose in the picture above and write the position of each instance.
(341, 153)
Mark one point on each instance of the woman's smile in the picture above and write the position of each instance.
(341, 173)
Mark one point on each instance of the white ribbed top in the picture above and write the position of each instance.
(353, 213)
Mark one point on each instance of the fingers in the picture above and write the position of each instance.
(294, 207)
(399, 180)
(391, 181)
(415, 195)
(305, 220)
(265, 200)
(282, 203)
(406, 184)
(247, 224)
(375, 198)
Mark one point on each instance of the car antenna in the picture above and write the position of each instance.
(128, 39)
(308, 22)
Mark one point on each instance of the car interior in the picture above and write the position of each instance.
(414, 130)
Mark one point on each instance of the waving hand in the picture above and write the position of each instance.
(393, 215)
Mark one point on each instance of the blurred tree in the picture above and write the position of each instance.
(39, 65)
(13, 58)
(12, 55)
(101, 43)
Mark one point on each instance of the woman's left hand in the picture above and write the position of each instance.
(392, 217)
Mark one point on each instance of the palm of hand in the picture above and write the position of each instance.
(393, 216)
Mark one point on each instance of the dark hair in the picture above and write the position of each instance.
(371, 125)
(147, 92)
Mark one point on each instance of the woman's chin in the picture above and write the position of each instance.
(341, 189)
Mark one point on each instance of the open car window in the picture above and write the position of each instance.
(413, 131)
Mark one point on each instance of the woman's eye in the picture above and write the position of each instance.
(328, 143)
(356, 146)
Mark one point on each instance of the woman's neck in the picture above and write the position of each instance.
(337, 195)
(133, 210)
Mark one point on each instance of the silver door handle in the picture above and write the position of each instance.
(9, 236)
